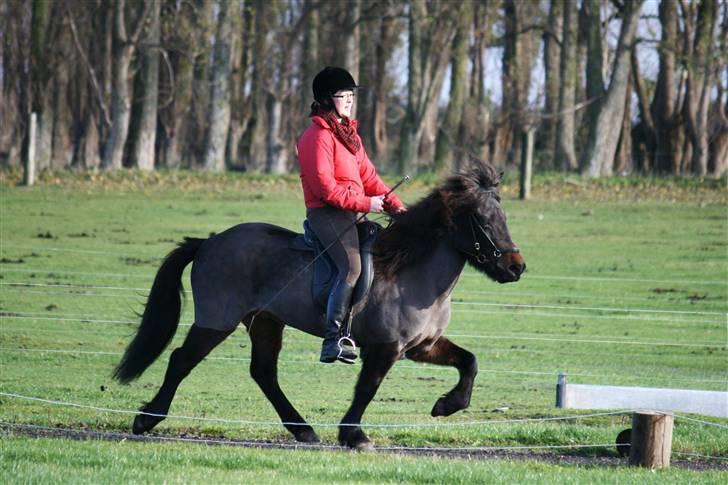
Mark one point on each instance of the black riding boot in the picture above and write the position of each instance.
(337, 310)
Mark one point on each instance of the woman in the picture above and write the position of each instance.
(339, 181)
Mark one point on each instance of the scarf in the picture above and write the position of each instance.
(344, 131)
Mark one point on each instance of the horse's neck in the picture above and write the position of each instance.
(440, 269)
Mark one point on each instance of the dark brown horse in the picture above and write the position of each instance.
(238, 276)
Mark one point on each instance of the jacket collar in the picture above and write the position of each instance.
(324, 124)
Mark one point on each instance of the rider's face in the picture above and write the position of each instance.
(344, 102)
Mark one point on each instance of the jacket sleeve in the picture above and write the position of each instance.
(373, 185)
(316, 155)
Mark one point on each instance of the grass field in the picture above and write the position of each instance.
(627, 284)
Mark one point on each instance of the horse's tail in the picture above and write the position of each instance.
(161, 314)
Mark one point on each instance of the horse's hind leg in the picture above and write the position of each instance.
(444, 352)
(377, 362)
(198, 343)
(266, 335)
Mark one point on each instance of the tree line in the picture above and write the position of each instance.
(606, 86)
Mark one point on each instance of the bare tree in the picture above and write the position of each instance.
(450, 133)
(176, 116)
(143, 155)
(519, 52)
(565, 157)
(604, 132)
(431, 31)
(42, 64)
(665, 105)
(552, 44)
(698, 36)
(219, 109)
(124, 46)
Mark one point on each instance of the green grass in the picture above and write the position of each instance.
(43, 460)
(626, 285)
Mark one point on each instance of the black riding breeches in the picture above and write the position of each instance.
(336, 231)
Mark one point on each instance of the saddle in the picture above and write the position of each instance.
(324, 269)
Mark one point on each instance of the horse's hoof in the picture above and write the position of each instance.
(306, 436)
(365, 445)
(139, 426)
(143, 423)
(447, 405)
(356, 440)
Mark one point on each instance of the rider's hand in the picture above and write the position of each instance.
(390, 208)
(376, 203)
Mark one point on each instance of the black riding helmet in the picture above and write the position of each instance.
(330, 80)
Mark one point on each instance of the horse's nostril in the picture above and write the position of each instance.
(517, 269)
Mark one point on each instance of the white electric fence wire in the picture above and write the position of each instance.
(700, 421)
(473, 336)
(317, 446)
(428, 368)
(456, 303)
(697, 455)
(150, 276)
(467, 273)
(319, 424)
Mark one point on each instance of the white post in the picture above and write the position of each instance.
(561, 391)
(29, 174)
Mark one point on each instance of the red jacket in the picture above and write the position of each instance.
(333, 176)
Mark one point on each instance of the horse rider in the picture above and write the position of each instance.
(339, 182)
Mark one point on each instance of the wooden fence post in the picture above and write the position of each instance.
(651, 439)
(29, 173)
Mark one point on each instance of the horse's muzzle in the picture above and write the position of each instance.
(512, 267)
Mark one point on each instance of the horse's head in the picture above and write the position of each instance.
(465, 211)
(478, 226)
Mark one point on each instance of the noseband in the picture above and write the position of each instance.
(494, 250)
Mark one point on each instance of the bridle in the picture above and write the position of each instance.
(493, 250)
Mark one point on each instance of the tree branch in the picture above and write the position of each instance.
(89, 67)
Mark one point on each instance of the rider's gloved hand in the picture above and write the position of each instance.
(376, 203)
(390, 208)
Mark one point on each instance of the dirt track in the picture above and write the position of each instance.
(693, 463)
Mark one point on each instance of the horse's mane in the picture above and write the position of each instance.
(414, 233)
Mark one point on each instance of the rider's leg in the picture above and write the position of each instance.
(335, 229)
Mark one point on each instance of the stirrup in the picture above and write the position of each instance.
(347, 350)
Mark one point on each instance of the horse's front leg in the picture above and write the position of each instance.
(377, 360)
(444, 352)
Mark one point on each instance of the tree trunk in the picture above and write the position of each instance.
(552, 40)
(595, 89)
(431, 32)
(518, 56)
(647, 123)
(448, 135)
(604, 134)
(256, 136)
(565, 157)
(62, 148)
(219, 109)
(310, 55)
(623, 160)
(665, 101)
(176, 118)
(123, 47)
(144, 152)
(700, 73)
(42, 86)
(350, 42)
